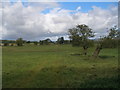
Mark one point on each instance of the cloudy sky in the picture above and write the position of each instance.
(41, 20)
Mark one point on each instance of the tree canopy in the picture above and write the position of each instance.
(80, 35)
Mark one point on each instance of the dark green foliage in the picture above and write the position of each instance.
(35, 43)
(47, 41)
(107, 82)
(91, 43)
(114, 33)
(76, 40)
(24, 41)
(88, 43)
(110, 43)
(66, 41)
(41, 42)
(8, 41)
(73, 35)
(6, 44)
(28, 42)
(19, 42)
(80, 36)
(60, 40)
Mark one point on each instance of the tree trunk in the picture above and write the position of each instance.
(97, 51)
(85, 50)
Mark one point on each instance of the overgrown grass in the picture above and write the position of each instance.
(54, 66)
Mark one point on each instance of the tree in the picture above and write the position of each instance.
(28, 42)
(47, 41)
(80, 36)
(66, 41)
(35, 43)
(74, 37)
(110, 41)
(41, 42)
(19, 42)
(60, 40)
(98, 47)
(114, 33)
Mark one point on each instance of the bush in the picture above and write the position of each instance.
(6, 44)
(110, 43)
(19, 42)
(35, 43)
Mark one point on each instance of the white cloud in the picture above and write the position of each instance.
(29, 23)
(79, 8)
(0, 20)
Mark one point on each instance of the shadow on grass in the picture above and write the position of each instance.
(106, 57)
(105, 82)
(75, 54)
(87, 57)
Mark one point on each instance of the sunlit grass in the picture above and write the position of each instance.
(53, 66)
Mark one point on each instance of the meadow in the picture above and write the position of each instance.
(58, 66)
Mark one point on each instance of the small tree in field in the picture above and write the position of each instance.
(108, 41)
(35, 43)
(47, 41)
(19, 42)
(41, 42)
(98, 47)
(114, 33)
(80, 36)
(60, 40)
(74, 37)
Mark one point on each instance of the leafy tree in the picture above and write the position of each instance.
(66, 41)
(74, 37)
(19, 42)
(114, 33)
(80, 36)
(35, 43)
(47, 41)
(28, 42)
(60, 40)
(41, 42)
(110, 41)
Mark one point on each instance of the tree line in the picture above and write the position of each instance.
(22, 42)
(79, 36)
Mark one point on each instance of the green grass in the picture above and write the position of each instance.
(56, 66)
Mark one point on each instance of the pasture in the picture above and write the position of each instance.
(58, 66)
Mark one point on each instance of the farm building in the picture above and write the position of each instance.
(7, 43)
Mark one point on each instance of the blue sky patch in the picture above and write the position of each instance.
(85, 6)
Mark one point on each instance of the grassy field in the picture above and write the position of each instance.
(58, 66)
